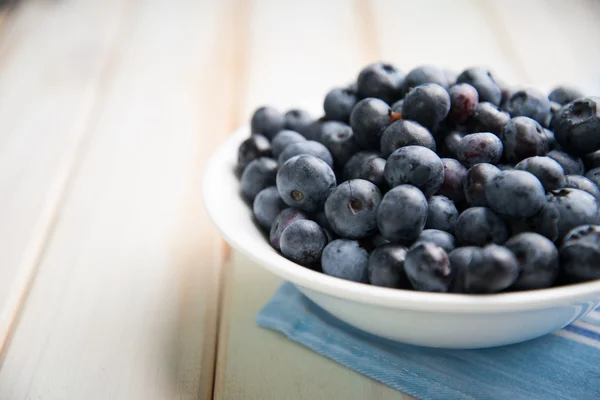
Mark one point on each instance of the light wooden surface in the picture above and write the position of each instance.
(111, 277)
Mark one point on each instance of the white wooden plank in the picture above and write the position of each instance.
(123, 305)
(48, 80)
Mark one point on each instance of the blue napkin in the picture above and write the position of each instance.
(563, 365)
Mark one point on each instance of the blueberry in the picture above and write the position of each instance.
(515, 193)
(577, 126)
(537, 258)
(309, 147)
(353, 166)
(482, 80)
(488, 118)
(544, 222)
(451, 143)
(474, 184)
(424, 74)
(382, 81)
(303, 242)
(428, 268)
(460, 258)
(454, 176)
(482, 147)
(591, 160)
(283, 138)
(463, 100)
(369, 119)
(441, 214)
(575, 207)
(297, 120)
(489, 270)
(379, 240)
(386, 267)
(427, 104)
(440, 238)
(530, 103)
(305, 182)
(373, 170)
(267, 121)
(580, 254)
(523, 137)
(570, 164)
(564, 94)
(402, 214)
(351, 209)
(415, 165)
(583, 183)
(267, 206)
(405, 133)
(397, 106)
(339, 139)
(339, 103)
(345, 259)
(547, 170)
(259, 174)
(477, 226)
(594, 175)
(282, 221)
(254, 147)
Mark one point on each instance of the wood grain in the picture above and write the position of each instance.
(124, 302)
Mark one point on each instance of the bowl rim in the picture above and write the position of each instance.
(219, 168)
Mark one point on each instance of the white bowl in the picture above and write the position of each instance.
(420, 318)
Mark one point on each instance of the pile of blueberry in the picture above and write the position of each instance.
(432, 181)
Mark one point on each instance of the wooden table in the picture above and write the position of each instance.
(113, 283)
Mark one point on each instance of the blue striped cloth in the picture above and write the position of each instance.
(563, 365)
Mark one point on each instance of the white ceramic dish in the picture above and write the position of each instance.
(428, 319)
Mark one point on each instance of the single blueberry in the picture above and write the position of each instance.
(488, 118)
(254, 147)
(259, 174)
(565, 94)
(547, 170)
(530, 103)
(297, 120)
(282, 221)
(577, 126)
(583, 183)
(308, 147)
(580, 254)
(267, 206)
(477, 226)
(424, 74)
(402, 214)
(523, 137)
(428, 268)
(415, 165)
(474, 184)
(405, 133)
(353, 166)
(382, 81)
(570, 164)
(351, 209)
(463, 100)
(515, 193)
(440, 238)
(482, 147)
(489, 270)
(305, 182)
(303, 242)
(284, 138)
(575, 207)
(454, 177)
(537, 258)
(482, 80)
(372, 170)
(339, 139)
(427, 104)
(386, 267)
(339, 103)
(460, 258)
(267, 121)
(345, 259)
(441, 214)
(369, 119)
